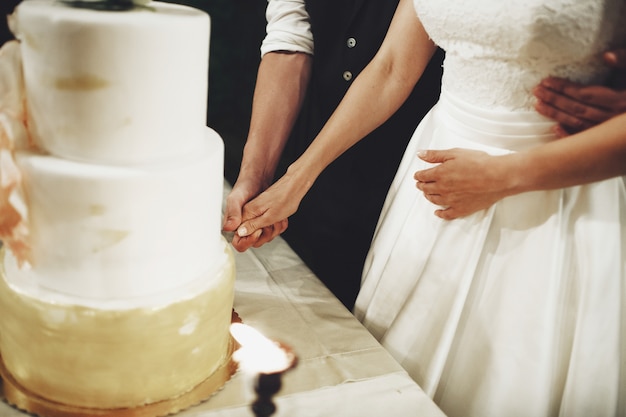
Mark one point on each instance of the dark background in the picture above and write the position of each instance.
(237, 29)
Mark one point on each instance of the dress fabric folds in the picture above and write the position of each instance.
(513, 309)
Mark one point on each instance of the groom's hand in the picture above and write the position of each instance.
(577, 107)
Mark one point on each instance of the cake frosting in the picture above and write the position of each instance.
(108, 231)
(120, 354)
(114, 87)
(123, 293)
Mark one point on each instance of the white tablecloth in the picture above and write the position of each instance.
(342, 370)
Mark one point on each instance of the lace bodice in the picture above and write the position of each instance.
(498, 50)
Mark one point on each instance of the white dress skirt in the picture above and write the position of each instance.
(517, 310)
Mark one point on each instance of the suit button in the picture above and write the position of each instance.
(347, 75)
(351, 42)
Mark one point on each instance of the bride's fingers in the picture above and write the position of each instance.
(427, 187)
(241, 244)
(270, 232)
(435, 199)
(447, 213)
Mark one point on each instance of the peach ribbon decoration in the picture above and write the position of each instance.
(13, 135)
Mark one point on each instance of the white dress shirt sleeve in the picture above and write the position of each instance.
(288, 27)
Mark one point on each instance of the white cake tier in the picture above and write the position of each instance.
(111, 232)
(117, 87)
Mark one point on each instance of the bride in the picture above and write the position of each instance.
(497, 274)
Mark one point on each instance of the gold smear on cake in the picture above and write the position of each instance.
(96, 210)
(81, 83)
(109, 238)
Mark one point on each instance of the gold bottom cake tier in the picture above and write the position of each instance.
(148, 358)
(23, 399)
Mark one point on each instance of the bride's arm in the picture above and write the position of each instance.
(467, 181)
(375, 95)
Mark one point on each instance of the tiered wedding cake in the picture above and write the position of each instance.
(117, 289)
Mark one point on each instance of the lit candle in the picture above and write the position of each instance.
(264, 358)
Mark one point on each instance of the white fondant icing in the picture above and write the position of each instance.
(29, 285)
(115, 87)
(105, 231)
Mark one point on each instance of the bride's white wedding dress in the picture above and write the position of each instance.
(518, 310)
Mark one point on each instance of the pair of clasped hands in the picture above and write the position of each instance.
(257, 215)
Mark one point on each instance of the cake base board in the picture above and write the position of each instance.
(23, 399)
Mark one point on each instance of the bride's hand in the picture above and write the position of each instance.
(244, 190)
(465, 181)
(260, 236)
(272, 207)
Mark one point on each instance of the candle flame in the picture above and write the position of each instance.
(258, 353)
